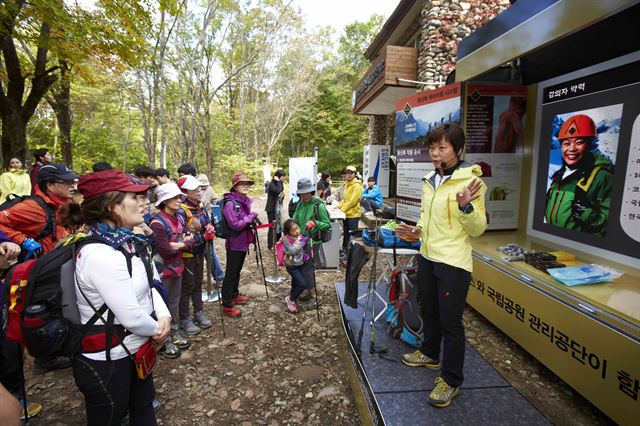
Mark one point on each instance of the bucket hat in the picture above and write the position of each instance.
(305, 186)
(167, 191)
(240, 177)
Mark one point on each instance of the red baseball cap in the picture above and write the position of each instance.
(98, 183)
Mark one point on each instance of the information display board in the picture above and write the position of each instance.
(494, 127)
(416, 116)
(587, 175)
(375, 162)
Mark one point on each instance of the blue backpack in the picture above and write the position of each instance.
(219, 221)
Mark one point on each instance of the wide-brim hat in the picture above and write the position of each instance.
(305, 186)
(240, 177)
(93, 184)
(167, 191)
(203, 179)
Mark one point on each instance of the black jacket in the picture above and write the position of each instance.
(273, 192)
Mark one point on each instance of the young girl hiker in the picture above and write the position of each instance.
(239, 217)
(295, 259)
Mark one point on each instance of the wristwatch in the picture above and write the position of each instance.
(467, 209)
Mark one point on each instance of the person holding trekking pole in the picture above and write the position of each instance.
(239, 217)
(312, 217)
(451, 213)
(115, 376)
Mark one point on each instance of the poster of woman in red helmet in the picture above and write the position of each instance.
(581, 169)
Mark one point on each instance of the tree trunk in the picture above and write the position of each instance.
(14, 137)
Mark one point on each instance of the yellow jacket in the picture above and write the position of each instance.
(15, 181)
(446, 230)
(350, 203)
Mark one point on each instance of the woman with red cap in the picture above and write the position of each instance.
(111, 274)
(239, 217)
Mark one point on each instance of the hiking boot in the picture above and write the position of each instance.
(231, 311)
(180, 341)
(201, 320)
(45, 364)
(169, 350)
(304, 296)
(418, 359)
(156, 404)
(189, 328)
(442, 394)
(291, 305)
(311, 303)
(240, 299)
(33, 408)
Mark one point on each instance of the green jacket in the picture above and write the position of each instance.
(306, 212)
(445, 230)
(590, 186)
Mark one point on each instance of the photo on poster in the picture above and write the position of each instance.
(581, 169)
(414, 124)
(508, 120)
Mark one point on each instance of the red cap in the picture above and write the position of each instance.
(98, 183)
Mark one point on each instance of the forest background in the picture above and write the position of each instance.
(225, 84)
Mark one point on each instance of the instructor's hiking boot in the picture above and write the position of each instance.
(189, 328)
(33, 409)
(304, 296)
(239, 299)
(418, 359)
(201, 320)
(311, 303)
(231, 311)
(44, 364)
(442, 394)
(169, 350)
(180, 341)
(291, 305)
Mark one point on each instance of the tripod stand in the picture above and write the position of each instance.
(372, 288)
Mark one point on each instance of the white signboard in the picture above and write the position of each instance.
(376, 163)
(301, 167)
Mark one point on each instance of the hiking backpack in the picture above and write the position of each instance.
(325, 236)
(40, 308)
(403, 311)
(50, 213)
(219, 221)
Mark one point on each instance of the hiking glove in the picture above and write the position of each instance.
(578, 209)
(32, 248)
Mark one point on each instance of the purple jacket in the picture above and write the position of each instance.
(239, 221)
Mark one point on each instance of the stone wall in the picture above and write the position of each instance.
(444, 24)
(378, 130)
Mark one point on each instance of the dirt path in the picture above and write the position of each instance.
(275, 368)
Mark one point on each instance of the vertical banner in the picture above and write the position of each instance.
(301, 167)
(375, 162)
(416, 116)
(494, 127)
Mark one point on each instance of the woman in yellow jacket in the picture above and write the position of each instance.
(15, 181)
(452, 212)
(350, 205)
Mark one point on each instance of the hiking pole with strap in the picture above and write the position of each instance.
(256, 247)
(315, 286)
(217, 288)
(25, 404)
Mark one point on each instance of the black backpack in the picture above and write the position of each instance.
(50, 322)
(325, 236)
(50, 213)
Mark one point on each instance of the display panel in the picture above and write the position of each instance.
(587, 160)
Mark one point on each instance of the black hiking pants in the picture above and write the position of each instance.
(270, 243)
(443, 292)
(235, 260)
(112, 388)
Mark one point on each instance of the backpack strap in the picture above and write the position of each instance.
(50, 225)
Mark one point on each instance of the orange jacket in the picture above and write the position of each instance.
(27, 219)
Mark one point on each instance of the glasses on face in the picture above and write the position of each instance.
(66, 182)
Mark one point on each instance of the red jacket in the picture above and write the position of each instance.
(27, 219)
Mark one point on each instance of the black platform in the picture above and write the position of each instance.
(397, 394)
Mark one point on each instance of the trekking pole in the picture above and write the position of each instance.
(315, 286)
(25, 404)
(209, 249)
(256, 247)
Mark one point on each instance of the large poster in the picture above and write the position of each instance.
(416, 116)
(494, 139)
(588, 170)
(375, 163)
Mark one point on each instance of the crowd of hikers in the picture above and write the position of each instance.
(103, 271)
(136, 246)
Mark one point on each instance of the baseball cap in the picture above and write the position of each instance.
(188, 183)
(98, 183)
(351, 169)
(53, 172)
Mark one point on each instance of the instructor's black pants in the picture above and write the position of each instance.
(235, 260)
(443, 291)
